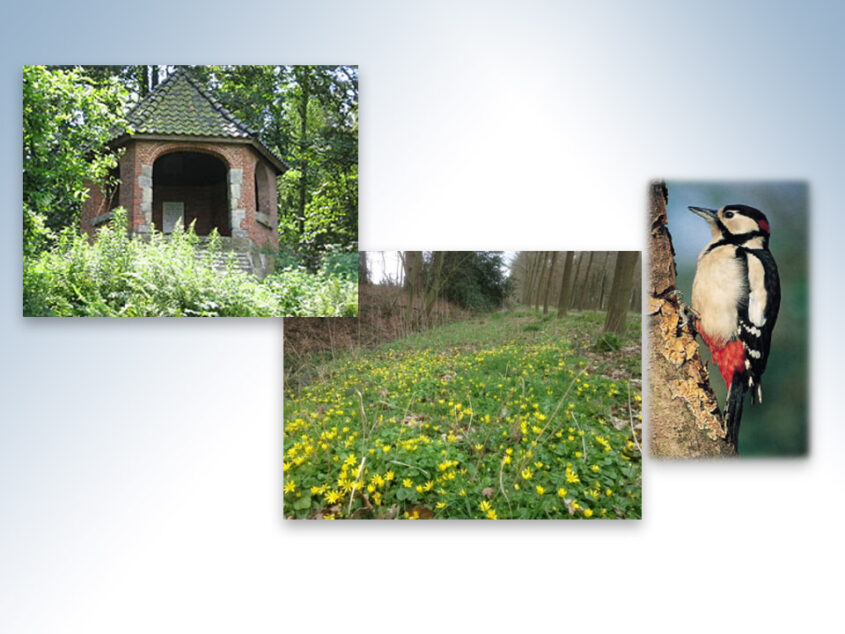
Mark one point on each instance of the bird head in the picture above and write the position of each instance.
(734, 220)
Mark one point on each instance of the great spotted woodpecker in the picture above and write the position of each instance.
(735, 299)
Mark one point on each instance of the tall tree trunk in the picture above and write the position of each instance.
(620, 291)
(413, 283)
(684, 418)
(538, 285)
(435, 281)
(534, 264)
(582, 296)
(574, 293)
(549, 283)
(563, 298)
(363, 271)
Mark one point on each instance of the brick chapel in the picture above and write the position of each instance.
(188, 160)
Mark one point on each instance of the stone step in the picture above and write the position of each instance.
(220, 259)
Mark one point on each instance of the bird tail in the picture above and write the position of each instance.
(733, 409)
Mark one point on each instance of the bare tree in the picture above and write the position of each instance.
(363, 272)
(563, 296)
(538, 285)
(549, 283)
(623, 275)
(684, 415)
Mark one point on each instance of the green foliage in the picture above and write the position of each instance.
(472, 420)
(119, 276)
(474, 280)
(607, 342)
(67, 118)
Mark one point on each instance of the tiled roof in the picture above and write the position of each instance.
(179, 105)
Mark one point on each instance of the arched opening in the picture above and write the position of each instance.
(188, 187)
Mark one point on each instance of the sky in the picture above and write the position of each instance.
(386, 266)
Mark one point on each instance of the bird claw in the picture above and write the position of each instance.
(689, 317)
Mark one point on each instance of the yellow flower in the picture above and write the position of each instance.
(540, 490)
(407, 483)
(485, 506)
(479, 447)
(389, 476)
(429, 485)
(290, 486)
(440, 505)
(561, 492)
(527, 473)
(332, 497)
(491, 514)
(595, 468)
(588, 512)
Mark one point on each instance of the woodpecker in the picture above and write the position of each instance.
(735, 300)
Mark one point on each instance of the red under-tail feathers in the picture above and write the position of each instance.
(730, 357)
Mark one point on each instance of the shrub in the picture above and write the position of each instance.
(121, 276)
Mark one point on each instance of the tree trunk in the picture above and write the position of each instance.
(620, 292)
(538, 285)
(533, 266)
(582, 297)
(549, 283)
(563, 299)
(573, 293)
(363, 272)
(684, 415)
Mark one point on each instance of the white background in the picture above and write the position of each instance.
(140, 460)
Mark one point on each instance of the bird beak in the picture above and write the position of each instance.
(708, 214)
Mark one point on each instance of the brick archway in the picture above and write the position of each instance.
(192, 187)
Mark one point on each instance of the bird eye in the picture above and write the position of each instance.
(729, 214)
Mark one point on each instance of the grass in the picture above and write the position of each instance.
(478, 419)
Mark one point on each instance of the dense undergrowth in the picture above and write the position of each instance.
(118, 276)
(505, 416)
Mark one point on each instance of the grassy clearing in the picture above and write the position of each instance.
(507, 416)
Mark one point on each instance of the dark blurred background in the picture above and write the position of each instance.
(778, 427)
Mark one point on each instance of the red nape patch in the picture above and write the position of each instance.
(764, 226)
(730, 359)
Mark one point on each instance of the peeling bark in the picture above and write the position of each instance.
(684, 419)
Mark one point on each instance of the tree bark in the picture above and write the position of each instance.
(538, 285)
(617, 306)
(586, 283)
(549, 283)
(684, 418)
(563, 299)
(363, 272)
